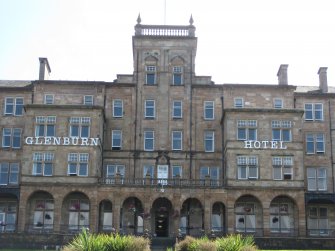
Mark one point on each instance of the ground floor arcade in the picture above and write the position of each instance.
(165, 213)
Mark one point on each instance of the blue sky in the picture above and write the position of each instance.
(240, 41)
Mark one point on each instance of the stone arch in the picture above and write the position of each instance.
(40, 212)
(283, 212)
(248, 212)
(192, 217)
(177, 60)
(131, 216)
(75, 213)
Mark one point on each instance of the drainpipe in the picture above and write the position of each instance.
(331, 144)
(136, 110)
(191, 107)
(222, 140)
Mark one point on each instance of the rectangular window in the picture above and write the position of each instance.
(247, 130)
(318, 221)
(209, 141)
(211, 172)
(150, 75)
(149, 140)
(45, 126)
(149, 109)
(116, 139)
(78, 164)
(177, 75)
(238, 103)
(148, 170)
(315, 143)
(80, 127)
(281, 130)
(11, 137)
(278, 103)
(13, 106)
(48, 99)
(117, 108)
(316, 179)
(43, 163)
(247, 167)
(9, 174)
(209, 110)
(88, 100)
(177, 140)
(177, 109)
(282, 168)
(112, 170)
(314, 112)
(176, 171)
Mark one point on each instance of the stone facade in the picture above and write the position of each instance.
(165, 152)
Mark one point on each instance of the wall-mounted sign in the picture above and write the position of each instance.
(264, 144)
(63, 141)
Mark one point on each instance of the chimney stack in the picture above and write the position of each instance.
(44, 69)
(282, 74)
(323, 85)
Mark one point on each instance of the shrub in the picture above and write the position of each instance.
(236, 243)
(103, 242)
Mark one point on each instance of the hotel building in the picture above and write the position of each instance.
(164, 152)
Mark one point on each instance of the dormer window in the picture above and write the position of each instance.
(48, 99)
(150, 74)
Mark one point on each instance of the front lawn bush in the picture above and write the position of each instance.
(229, 243)
(86, 241)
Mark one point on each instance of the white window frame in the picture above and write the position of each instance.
(281, 126)
(177, 70)
(149, 107)
(78, 159)
(238, 102)
(278, 103)
(43, 158)
(246, 126)
(318, 141)
(317, 179)
(46, 122)
(80, 122)
(209, 136)
(117, 104)
(283, 165)
(150, 70)
(179, 167)
(247, 162)
(177, 105)
(88, 100)
(113, 169)
(11, 135)
(9, 171)
(209, 107)
(114, 134)
(177, 136)
(15, 107)
(146, 138)
(49, 99)
(313, 110)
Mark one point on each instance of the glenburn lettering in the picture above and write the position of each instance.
(264, 144)
(65, 141)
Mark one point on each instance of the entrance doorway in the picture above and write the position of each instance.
(162, 224)
(161, 210)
